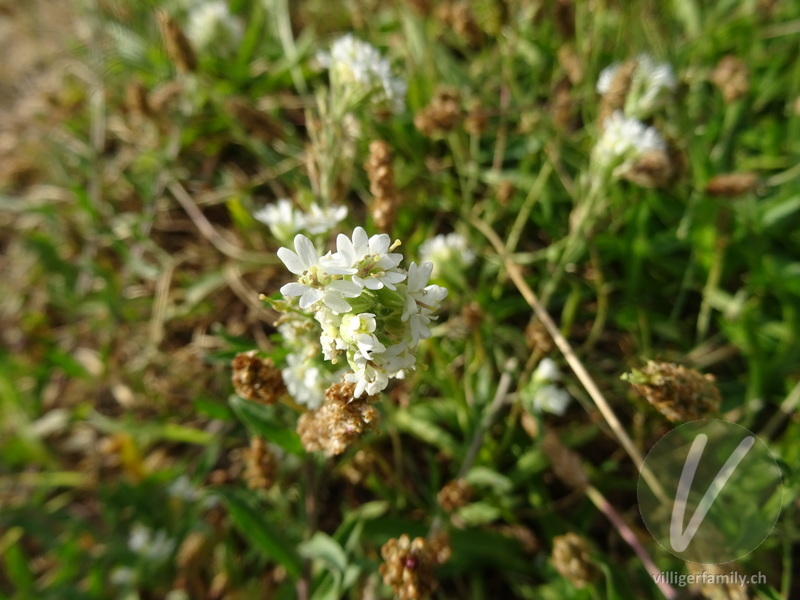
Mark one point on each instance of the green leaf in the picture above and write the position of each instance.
(323, 547)
(259, 421)
(255, 528)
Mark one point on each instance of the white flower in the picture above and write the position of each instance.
(285, 221)
(282, 219)
(372, 376)
(624, 141)
(315, 282)
(154, 547)
(322, 220)
(651, 84)
(211, 25)
(305, 381)
(422, 301)
(369, 259)
(359, 330)
(552, 399)
(547, 371)
(182, 489)
(358, 65)
(451, 250)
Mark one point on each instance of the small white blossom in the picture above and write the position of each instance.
(369, 259)
(321, 220)
(155, 547)
(551, 399)
(451, 250)
(624, 141)
(316, 282)
(358, 65)
(305, 381)
(211, 26)
(182, 489)
(651, 84)
(284, 221)
(547, 371)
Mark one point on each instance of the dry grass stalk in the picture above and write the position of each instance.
(381, 185)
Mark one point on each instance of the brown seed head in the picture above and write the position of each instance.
(454, 495)
(730, 185)
(653, 170)
(179, 49)
(567, 465)
(571, 559)
(338, 422)
(381, 185)
(732, 77)
(257, 379)
(261, 465)
(614, 98)
(408, 567)
(678, 393)
(442, 115)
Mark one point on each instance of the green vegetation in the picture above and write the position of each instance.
(133, 267)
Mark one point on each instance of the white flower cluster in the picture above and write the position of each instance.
(152, 546)
(212, 27)
(451, 250)
(368, 310)
(623, 142)
(284, 221)
(542, 394)
(359, 66)
(650, 88)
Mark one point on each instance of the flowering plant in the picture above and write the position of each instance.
(358, 306)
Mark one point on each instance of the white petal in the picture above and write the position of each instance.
(294, 289)
(310, 297)
(291, 260)
(348, 289)
(305, 250)
(336, 303)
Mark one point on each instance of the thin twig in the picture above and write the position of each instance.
(629, 536)
(208, 230)
(574, 362)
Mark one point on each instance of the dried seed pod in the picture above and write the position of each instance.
(381, 185)
(567, 465)
(678, 393)
(261, 465)
(257, 379)
(614, 98)
(179, 50)
(408, 567)
(571, 559)
(338, 422)
(442, 115)
(454, 495)
(653, 170)
(730, 185)
(732, 77)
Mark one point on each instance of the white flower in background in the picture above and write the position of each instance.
(651, 85)
(451, 250)
(305, 380)
(623, 142)
(154, 547)
(541, 394)
(284, 221)
(366, 311)
(321, 220)
(551, 399)
(358, 66)
(182, 489)
(212, 28)
(547, 371)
